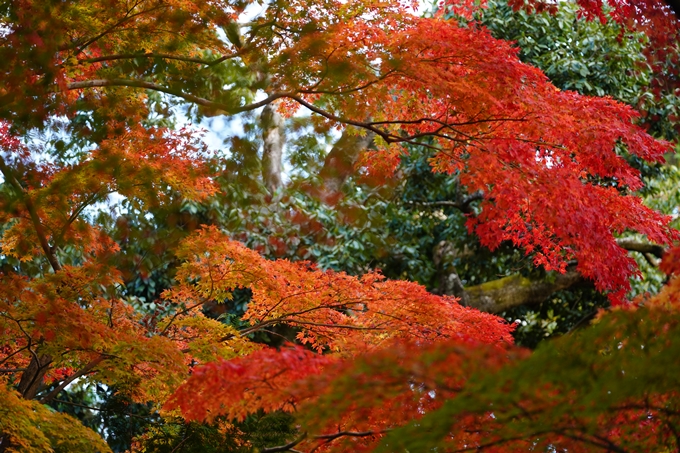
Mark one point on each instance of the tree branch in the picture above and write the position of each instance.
(515, 290)
(98, 83)
(328, 438)
(642, 247)
(286, 447)
(463, 204)
(500, 295)
(128, 16)
(350, 434)
(165, 56)
(81, 372)
(35, 218)
(32, 378)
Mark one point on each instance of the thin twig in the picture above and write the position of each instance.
(165, 56)
(96, 83)
(288, 447)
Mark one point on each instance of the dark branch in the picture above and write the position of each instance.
(642, 247)
(286, 447)
(11, 178)
(328, 438)
(463, 204)
(82, 372)
(350, 434)
(165, 56)
(97, 83)
(128, 16)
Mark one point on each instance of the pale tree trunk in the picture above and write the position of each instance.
(272, 153)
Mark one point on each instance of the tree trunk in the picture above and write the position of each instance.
(448, 281)
(32, 378)
(272, 154)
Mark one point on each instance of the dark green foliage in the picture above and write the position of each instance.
(256, 432)
(576, 54)
(113, 415)
(564, 312)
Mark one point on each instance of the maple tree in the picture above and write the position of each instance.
(84, 111)
(579, 54)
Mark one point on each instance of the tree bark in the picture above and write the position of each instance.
(82, 372)
(448, 281)
(515, 290)
(272, 153)
(642, 247)
(32, 378)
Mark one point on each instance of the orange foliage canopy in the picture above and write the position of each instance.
(335, 313)
(546, 161)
